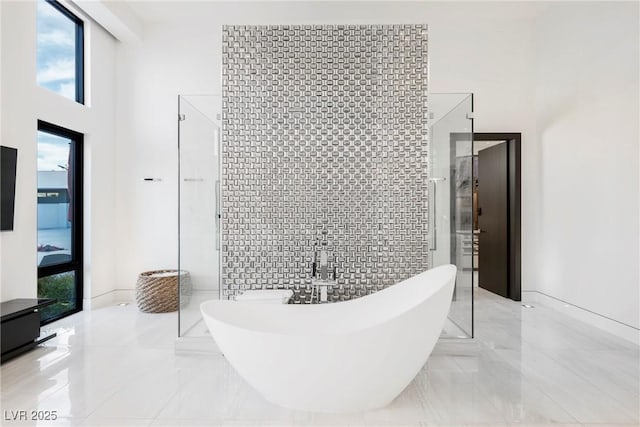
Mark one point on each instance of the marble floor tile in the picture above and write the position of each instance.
(115, 422)
(116, 366)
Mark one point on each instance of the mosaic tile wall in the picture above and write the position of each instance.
(325, 145)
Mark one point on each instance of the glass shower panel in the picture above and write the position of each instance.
(451, 201)
(199, 208)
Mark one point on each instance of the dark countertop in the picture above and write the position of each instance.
(17, 307)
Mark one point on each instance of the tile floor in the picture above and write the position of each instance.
(117, 367)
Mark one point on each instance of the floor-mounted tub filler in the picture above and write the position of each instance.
(342, 357)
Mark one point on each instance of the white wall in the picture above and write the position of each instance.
(565, 75)
(588, 118)
(483, 48)
(23, 103)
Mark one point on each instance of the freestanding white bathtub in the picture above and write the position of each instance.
(348, 356)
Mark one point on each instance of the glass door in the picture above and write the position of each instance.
(451, 201)
(199, 207)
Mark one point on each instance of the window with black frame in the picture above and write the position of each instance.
(59, 220)
(59, 53)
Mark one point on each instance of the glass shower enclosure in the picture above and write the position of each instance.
(450, 204)
(199, 120)
(451, 201)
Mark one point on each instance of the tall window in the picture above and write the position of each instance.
(59, 61)
(59, 220)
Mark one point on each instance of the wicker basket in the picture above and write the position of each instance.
(157, 291)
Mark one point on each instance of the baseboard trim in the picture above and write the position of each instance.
(109, 298)
(614, 327)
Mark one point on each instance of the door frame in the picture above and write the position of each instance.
(514, 207)
(514, 142)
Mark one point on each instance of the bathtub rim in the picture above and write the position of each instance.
(313, 330)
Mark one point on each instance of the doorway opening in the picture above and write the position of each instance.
(497, 210)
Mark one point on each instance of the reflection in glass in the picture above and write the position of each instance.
(54, 199)
(61, 287)
(451, 202)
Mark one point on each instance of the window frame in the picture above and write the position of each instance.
(77, 226)
(79, 47)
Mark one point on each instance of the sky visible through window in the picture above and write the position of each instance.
(56, 51)
(53, 152)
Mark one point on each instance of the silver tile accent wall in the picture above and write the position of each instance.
(324, 143)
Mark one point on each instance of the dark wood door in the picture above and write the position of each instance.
(493, 219)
